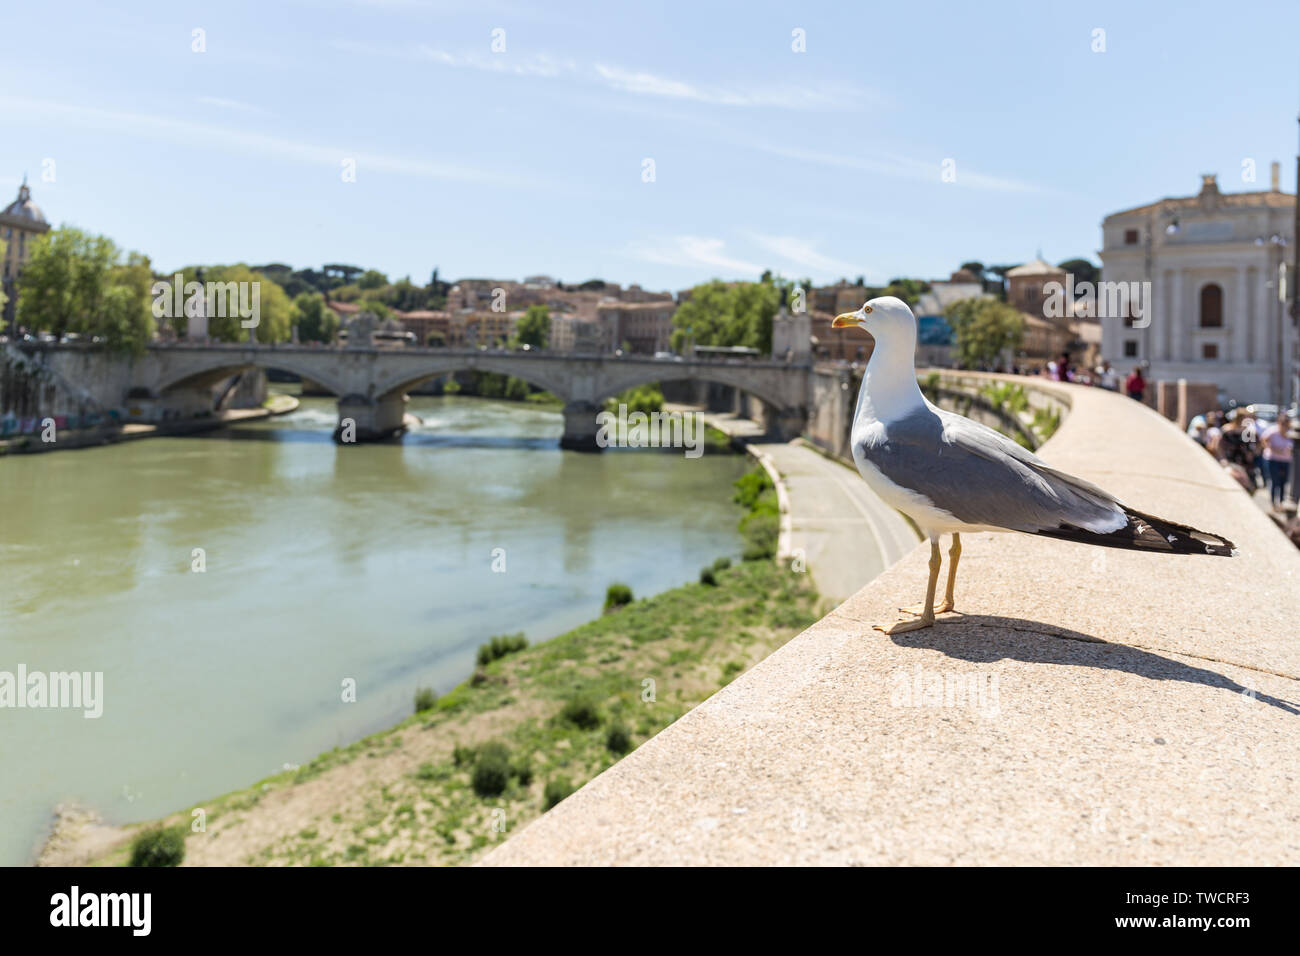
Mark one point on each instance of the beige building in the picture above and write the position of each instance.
(573, 333)
(643, 328)
(1054, 321)
(21, 224)
(1216, 267)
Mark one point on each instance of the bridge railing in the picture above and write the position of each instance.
(1083, 706)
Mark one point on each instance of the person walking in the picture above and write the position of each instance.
(1277, 447)
(1136, 385)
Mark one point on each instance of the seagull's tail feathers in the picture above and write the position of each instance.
(1145, 532)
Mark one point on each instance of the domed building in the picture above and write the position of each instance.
(21, 224)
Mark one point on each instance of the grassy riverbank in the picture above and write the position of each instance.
(543, 721)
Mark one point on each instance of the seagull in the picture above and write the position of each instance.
(950, 474)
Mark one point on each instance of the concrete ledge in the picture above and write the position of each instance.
(1088, 706)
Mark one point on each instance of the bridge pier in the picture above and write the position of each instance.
(363, 419)
(786, 424)
(580, 428)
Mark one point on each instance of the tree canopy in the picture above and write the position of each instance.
(535, 327)
(317, 322)
(983, 329)
(79, 282)
(728, 314)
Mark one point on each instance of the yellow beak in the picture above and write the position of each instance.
(844, 320)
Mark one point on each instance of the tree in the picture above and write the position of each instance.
(976, 268)
(336, 270)
(372, 279)
(3, 298)
(1082, 270)
(317, 322)
(276, 311)
(375, 306)
(735, 314)
(983, 329)
(76, 282)
(126, 318)
(1001, 273)
(535, 327)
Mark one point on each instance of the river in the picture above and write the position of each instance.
(320, 563)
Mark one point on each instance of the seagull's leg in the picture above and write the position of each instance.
(954, 555)
(927, 616)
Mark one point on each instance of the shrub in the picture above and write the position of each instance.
(617, 596)
(750, 486)
(708, 577)
(522, 770)
(463, 756)
(425, 699)
(762, 531)
(158, 846)
(556, 790)
(582, 712)
(721, 564)
(618, 740)
(499, 646)
(491, 770)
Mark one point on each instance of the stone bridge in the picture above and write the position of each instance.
(175, 381)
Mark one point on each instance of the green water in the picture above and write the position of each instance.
(323, 563)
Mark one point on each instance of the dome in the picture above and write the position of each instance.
(24, 208)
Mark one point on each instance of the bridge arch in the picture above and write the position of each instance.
(733, 376)
(200, 373)
(537, 374)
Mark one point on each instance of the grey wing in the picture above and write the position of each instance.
(984, 478)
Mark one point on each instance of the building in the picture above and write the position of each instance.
(1056, 321)
(934, 334)
(792, 337)
(1028, 292)
(21, 224)
(829, 344)
(426, 322)
(841, 297)
(1212, 265)
(572, 333)
(643, 328)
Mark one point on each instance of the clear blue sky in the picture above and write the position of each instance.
(821, 164)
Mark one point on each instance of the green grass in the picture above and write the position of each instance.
(554, 715)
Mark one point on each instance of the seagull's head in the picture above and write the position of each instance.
(884, 317)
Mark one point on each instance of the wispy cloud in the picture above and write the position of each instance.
(642, 83)
(904, 167)
(803, 253)
(693, 252)
(534, 65)
(235, 139)
(623, 80)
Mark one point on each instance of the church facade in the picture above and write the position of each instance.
(1218, 268)
(21, 224)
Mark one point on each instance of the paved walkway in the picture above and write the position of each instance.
(844, 533)
(1087, 706)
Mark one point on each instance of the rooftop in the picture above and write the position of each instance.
(1210, 195)
(24, 209)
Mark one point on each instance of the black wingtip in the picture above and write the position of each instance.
(1146, 532)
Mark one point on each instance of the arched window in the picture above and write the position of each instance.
(1212, 307)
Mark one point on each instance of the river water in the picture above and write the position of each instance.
(321, 563)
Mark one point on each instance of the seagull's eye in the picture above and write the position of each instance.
(866, 308)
